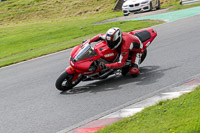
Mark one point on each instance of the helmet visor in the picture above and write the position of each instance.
(111, 44)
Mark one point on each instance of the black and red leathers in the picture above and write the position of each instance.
(130, 43)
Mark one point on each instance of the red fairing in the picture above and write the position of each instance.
(105, 52)
(84, 65)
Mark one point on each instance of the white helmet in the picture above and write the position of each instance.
(113, 38)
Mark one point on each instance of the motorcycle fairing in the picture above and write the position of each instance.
(105, 52)
(84, 65)
(84, 55)
(84, 51)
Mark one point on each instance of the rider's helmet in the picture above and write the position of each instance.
(113, 37)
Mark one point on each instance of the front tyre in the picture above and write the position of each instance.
(126, 14)
(64, 81)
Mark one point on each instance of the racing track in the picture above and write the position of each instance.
(29, 101)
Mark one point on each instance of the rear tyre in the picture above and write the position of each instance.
(64, 81)
(143, 56)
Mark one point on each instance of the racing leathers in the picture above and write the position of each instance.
(130, 44)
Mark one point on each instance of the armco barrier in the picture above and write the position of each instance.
(188, 2)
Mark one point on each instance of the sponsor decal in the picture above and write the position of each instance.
(109, 55)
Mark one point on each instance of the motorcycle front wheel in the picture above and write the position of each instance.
(64, 82)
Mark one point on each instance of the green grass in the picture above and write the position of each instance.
(180, 115)
(18, 11)
(169, 3)
(178, 7)
(175, 5)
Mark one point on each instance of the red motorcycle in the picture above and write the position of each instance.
(85, 60)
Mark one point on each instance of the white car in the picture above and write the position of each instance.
(133, 6)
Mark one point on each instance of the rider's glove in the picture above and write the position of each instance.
(84, 41)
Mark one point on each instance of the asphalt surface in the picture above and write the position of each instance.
(30, 103)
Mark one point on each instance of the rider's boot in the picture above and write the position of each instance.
(136, 58)
(134, 70)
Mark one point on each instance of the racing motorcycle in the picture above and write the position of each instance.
(85, 61)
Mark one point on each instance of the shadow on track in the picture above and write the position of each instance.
(149, 75)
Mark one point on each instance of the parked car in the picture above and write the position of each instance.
(133, 6)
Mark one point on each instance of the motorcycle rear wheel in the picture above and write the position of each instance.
(64, 82)
(143, 56)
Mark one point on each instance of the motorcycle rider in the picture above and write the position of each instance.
(125, 44)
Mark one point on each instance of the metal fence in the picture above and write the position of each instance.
(188, 2)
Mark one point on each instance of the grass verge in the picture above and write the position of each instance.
(180, 115)
(169, 3)
(178, 7)
(175, 5)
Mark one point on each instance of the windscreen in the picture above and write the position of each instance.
(85, 52)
